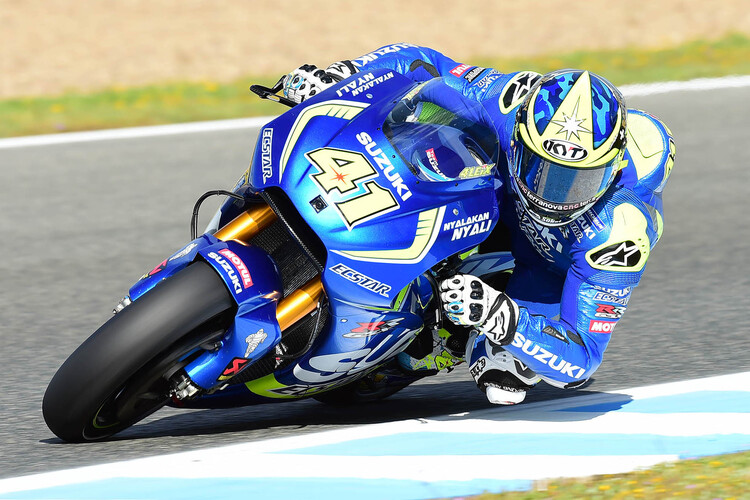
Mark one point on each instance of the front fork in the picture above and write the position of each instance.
(299, 303)
(264, 315)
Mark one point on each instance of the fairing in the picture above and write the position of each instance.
(349, 167)
(381, 221)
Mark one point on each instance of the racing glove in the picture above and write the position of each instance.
(468, 301)
(305, 82)
(341, 70)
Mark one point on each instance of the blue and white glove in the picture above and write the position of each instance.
(341, 70)
(468, 301)
(305, 82)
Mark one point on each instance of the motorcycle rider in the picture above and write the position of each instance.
(583, 177)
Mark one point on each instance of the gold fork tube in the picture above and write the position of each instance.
(297, 304)
(248, 224)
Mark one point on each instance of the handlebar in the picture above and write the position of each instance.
(271, 93)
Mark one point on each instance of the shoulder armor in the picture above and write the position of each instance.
(516, 89)
(651, 149)
(627, 247)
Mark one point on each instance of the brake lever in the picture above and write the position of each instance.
(270, 93)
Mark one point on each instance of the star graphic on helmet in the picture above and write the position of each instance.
(571, 125)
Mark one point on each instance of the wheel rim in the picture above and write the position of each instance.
(147, 391)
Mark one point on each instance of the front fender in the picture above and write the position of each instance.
(252, 278)
(248, 271)
(253, 281)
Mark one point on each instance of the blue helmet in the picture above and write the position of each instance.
(567, 145)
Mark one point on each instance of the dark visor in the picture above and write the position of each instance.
(560, 188)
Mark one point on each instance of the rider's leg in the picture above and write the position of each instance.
(502, 377)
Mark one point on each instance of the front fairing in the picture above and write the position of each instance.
(381, 223)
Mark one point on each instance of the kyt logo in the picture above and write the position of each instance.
(564, 150)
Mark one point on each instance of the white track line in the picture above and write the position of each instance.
(277, 457)
(646, 89)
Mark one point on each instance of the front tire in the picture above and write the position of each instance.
(115, 378)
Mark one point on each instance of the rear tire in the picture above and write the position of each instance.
(115, 378)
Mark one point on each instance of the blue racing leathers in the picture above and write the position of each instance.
(573, 282)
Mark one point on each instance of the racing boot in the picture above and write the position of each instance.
(501, 376)
(433, 350)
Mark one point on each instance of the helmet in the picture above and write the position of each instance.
(567, 145)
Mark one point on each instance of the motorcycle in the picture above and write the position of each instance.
(317, 277)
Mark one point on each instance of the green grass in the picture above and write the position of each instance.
(195, 101)
(725, 477)
(699, 59)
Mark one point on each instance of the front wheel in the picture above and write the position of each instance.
(119, 375)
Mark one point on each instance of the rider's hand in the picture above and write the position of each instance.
(469, 301)
(341, 70)
(305, 82)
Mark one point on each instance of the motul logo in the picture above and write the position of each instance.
(247, 281)
(602, 326)
(460, 69)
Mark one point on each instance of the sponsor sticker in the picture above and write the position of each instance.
(478, 171)
(469, 226)
(367, 330)
(362, 280)
(473, 74)
(432, 158)
(617, 292)
(183, 252)
(253, 341)
(362, 83)
(157, 269)
(477, 368)
(624, 254)
(232, 272)
(595, 221)
(388, 49)
(460, 69)
(266, 144)
(605, 297)
(565, 150)
(596, 326)
(582, 227)
(233, 368)
(247, 281)
(541, 354)
(516, 89)
(488, 80)
(608, 311)
(384, 164)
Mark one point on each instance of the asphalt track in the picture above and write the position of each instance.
(82, 221)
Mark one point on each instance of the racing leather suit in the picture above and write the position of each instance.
(573, 282)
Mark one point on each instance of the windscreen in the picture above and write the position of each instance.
(441, 134)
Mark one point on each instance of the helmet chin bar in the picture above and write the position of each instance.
(540, 219)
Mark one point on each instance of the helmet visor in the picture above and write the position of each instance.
(560, 192)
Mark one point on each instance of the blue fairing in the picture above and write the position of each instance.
(253, 281)
(412, 223)
(391, 183)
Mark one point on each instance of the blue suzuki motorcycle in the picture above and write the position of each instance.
(317, 277)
